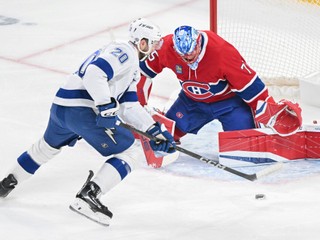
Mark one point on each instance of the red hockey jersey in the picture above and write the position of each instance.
(221, 73)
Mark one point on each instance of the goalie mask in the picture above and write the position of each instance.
(144, 29)
(186, 41)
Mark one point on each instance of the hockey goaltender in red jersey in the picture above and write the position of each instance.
(216, 83)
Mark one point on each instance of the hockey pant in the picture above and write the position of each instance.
(191, 116)
(65, 126)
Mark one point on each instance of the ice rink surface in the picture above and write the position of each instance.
(42, 42)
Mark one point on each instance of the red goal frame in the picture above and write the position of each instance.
(213, 15)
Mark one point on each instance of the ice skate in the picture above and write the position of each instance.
(7, 185)
(87, 203)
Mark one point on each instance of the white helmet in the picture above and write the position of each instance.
(144, 29)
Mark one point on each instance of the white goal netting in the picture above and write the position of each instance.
(280, 39)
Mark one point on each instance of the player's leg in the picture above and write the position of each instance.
(88, 204)
(108, 142)
(38, 154)
(82, 121)
(112, 172)
(116, 144)
(119, 166)
(234, 114)
(189, 116)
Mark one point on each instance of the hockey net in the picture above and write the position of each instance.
(280, 39)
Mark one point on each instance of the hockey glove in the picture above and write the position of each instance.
(107, 116)
(284, 117)
(164, 141)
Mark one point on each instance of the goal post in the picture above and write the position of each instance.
(213, 15)
(278, 38)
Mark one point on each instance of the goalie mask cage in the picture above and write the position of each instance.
(280, 39)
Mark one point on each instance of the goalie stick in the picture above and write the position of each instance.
(213, 162)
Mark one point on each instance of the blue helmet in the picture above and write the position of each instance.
(185, 39)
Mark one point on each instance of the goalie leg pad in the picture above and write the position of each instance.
(263, 145)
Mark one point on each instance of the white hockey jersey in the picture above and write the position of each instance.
(112, 71)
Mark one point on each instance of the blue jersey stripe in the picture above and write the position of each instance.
(72, 94)
(253, 90)
(104, 66)
(146, 70)
(129, 97)
(219, 88)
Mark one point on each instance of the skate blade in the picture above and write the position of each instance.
(81, 207)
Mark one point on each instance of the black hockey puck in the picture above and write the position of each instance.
(260, 196)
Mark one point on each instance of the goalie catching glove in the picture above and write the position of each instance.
(163, 140)
(284, 117)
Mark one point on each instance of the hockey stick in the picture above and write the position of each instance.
(213, 162)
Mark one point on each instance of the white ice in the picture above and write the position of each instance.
(43, 41)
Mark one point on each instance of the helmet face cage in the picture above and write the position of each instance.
(185, 40)
(144, 29)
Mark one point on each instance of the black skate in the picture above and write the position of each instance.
(87, 203)
(7, 185)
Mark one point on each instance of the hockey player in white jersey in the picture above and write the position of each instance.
(97, 96)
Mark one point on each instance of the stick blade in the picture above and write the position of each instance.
(268, 170)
